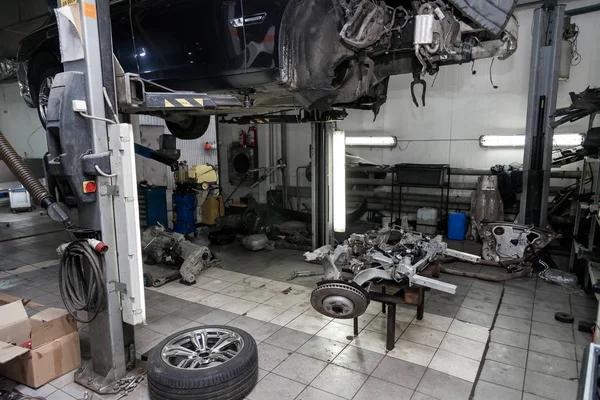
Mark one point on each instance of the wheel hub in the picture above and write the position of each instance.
(339, 299)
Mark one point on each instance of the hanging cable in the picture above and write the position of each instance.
(102, 173)
(491, 81)
(82, 286)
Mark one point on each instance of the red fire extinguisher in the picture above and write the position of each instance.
(252, 136)
(242, 138)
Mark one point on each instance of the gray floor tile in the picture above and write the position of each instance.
(270, 357)
(516, 300)
(311, 393)
(300, 368)
(444, 309)
(171, 305)
(550, 306)
(193, 311)
(552, 347)
(168, 324)
(265, 331)
(517, 291)
(357, 359)
(275, 387)
(582, 338)
(484, 295)
(447, 298)
(529, 396)
(584, 301)
(547, 317)
(489, 286)
(217, 317)
(515, 311)
(554, 296)
(507, 354)
(475, 317)
(585, 313)
(342, 382)
(444, 387)
(479, 305)
(564, 334)
(513, 324)
(321, 348)
(511, 338)
(246, 323)
(398, 371)
(421, 396)
(288, 339)
(550, 387)
(490, 391)
(375, 388)
(551, 365)
(503, 374)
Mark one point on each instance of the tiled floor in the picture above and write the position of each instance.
(450, 354)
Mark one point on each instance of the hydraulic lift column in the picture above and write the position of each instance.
(548, 27)
(321, 150)
(109, 336)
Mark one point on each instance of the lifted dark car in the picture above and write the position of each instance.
(309, 54)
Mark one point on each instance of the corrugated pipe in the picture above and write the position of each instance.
(38, 192)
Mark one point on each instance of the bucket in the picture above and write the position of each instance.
(457, 225)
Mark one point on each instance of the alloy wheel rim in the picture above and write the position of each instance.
(43, 96)
(202, 348)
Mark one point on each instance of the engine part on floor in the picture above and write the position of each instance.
(257, 242)
(558, 277)
(291, 227)
(203, 363)
(486, 204)
(163, 246)
(56, 211)
(222, 236)
(563, 317)
(301, 274)
(151, 281)
(339, 299)
(372, 257)
(16, 395)
(509, 241)
(81, 280)
(526, 271)
(128, 385)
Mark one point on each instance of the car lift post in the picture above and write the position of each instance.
(548, 27)
(321, 185)
(109, 335)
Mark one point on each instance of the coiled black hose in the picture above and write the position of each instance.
(15, 163)
(82, 285)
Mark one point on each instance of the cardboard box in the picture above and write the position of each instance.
(54, 344)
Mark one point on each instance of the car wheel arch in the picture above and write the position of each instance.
(38, 64)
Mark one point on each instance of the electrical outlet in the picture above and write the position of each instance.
(79, 106)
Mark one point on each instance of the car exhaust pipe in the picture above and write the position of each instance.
(15, 163)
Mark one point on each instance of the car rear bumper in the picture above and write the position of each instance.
(24, 83)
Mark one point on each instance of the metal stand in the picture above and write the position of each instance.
(548, 26)
(388, 303)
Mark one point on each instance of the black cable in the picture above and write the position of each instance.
(82, 285)
(236, 188)
(491, 81)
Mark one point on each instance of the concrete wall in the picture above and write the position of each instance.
(461, 107)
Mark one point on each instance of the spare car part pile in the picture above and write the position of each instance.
(389, 254)
(163, 246)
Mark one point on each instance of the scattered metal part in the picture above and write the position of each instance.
(509, 241)
(164, 246)
(299, 274)
(339, 299)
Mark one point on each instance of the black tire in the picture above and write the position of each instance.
(231, 380)
(192, 128)
(49, 73)
(564, 317)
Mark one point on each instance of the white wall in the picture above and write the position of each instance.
(20, 124)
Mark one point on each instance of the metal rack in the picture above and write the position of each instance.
(432, 176)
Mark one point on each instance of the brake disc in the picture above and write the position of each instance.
(339, 299)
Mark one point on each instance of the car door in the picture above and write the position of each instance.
(262, 20)
(187, 40)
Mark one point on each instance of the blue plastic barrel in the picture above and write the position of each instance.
(457, 226)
